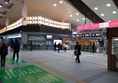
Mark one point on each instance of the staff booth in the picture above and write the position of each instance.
(112, 35)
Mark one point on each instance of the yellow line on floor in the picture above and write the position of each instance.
(77, 80)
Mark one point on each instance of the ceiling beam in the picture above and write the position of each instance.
(86, 11)
(116, 3)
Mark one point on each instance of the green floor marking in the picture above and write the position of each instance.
(28, 74)
(9, 59)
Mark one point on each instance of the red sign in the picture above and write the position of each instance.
(111, 24)
(88, 27)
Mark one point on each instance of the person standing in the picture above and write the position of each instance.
(59, 46)
(55, 46)
(11, 44)
(30, 45)
(93, 47)
(77, 49)
(16, 49)
(3, 53)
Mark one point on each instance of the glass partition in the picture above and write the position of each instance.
(115, 49)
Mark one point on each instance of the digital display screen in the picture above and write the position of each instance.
(57, 41)
(97, 34)
(49, 36)
(87, 34)
(93, 34)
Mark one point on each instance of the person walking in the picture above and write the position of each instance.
(65, 46)
(3, 53)
(55, 46)
(77, 50)
(16, 49)
(59, 46)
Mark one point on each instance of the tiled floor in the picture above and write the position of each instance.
(92, 69)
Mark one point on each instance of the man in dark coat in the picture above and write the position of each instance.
(16, 49)
(3, 53)
(77, 49)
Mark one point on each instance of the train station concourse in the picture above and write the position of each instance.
(58, 41)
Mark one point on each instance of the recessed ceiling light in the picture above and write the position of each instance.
(83, 18)
(77, 13)
(95, 8)
(71, 15)
(54, 5)
(102, 14)
(6, 2)
(114, 12)
(78, 20)
(0, 6)
(60, 2)
(108, 5)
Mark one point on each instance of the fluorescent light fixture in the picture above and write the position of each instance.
(60, 2)
(102, 14)
(77, 13)
(114, 12)
(108, 5)
(95, 8)
(54, 5)
(115, 39)
(71, 15)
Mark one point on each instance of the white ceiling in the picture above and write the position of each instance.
(61, 12)
(103, 9)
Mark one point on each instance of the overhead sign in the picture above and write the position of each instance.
(110, 24)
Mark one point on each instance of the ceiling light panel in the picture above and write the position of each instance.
(54, 5)
(108, 5)
(0, 6)
(95, 8)
(114, 12)
(61, 2)
(77, 13)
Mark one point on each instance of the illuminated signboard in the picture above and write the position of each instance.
(110, 24)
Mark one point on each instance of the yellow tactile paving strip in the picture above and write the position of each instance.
(77, 80)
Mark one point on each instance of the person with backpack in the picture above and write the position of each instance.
(3, 53)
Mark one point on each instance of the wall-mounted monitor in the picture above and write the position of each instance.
(49, 36)
(57, 41)
(97, 34)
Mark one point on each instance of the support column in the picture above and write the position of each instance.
(24, 11)
(7, 21)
